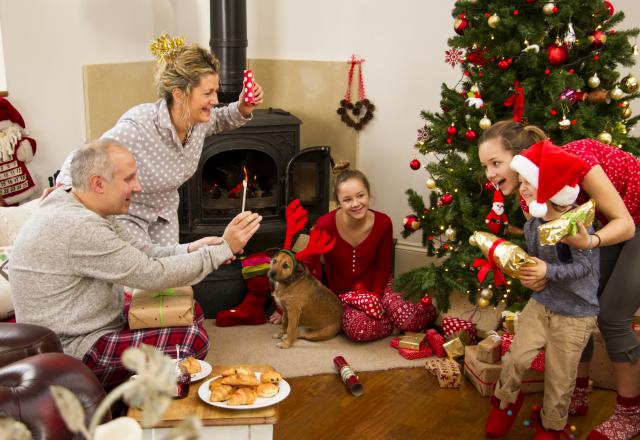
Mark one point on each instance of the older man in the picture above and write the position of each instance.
(71, 252)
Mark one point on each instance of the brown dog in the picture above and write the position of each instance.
(304, 302)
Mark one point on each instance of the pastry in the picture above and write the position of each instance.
(271, 377)
(241, 379)
(242, 396)
(192, 365)
(236, 370)
(267, 390)
(220, 393)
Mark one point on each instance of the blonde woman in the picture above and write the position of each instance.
(166, 137)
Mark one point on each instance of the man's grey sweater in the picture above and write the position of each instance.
(572, 275)
(66, 259)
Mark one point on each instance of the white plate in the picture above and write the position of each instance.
(204, 393)
(205, 370)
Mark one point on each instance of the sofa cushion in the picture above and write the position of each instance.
(11, 220)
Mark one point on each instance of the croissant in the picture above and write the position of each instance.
(237, 370)
(220, 393)
(243, 396)
(267, 390)
(241, 379)
(192, 365)
(271, 377)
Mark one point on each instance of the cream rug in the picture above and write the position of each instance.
(255, 345)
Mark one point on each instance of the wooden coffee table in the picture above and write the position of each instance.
(218, 423)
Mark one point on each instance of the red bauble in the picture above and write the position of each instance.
(609, 7)
(505, 64)
(557, 54)
(597, 39)
(488, 186)
(426, 301)
(414, 164)
(452, 131)
(470, 135)
(460, 24)
(411, 223)
(446, 198)
(425, 212)
(530, 1)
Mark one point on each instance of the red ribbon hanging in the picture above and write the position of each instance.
(517, 101)
(361, 93)
(485, 266)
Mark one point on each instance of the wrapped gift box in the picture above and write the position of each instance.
(411, 340)
(456, 327)
(163, 308)
(490, 349)
(484, 376)
(602, 373)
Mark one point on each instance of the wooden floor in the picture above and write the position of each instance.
(404, 404)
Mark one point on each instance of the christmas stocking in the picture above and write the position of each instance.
(251, 311)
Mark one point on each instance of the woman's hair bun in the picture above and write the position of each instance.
(341, 166)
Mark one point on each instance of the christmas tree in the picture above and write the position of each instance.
(562, 66)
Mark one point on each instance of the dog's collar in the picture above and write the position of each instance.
(293, 258)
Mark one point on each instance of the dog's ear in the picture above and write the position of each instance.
(300, 267)
(271, 252)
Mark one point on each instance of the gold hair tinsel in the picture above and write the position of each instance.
(166, 48)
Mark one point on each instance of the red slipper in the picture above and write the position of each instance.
(500, 421)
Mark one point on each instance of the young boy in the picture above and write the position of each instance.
(561, 313)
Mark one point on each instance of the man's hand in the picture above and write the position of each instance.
(240, 230)
(533, 273)
(49, 190)
(206, 241)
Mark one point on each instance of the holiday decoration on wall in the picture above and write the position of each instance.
(16, 150)
(565, 66)
(355, 115)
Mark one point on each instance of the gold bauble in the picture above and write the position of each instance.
(547, 9)
(629, 84)
(472, 241)
(616, 93)
(564, 124)
(626, 113)
(605, 137)
(493, 21)
(624, 104)
(485, 123)
(620, 128)
(450, 233)
(593, 81)
(483, 303)
(431, 184)
(486, 293)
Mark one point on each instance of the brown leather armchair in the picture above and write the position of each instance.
(31, 360)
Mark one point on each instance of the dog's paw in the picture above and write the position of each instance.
(283, 344)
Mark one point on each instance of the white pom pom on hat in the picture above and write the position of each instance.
(554, 172)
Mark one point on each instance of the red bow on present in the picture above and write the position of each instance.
(487, 265)
(517, 101)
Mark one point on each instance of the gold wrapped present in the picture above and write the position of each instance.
(411, 340)
(552, 232)
(490, 348)
(159, 309)
(507, 256)
(454, 348)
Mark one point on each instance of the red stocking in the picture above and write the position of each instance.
(251, 311)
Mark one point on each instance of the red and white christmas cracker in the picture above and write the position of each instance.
(249, 86)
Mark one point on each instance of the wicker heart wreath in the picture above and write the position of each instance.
(359, 114)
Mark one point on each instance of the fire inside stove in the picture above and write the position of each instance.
(222, 181)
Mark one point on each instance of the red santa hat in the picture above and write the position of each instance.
(498, 197)
(9, 115)
(553, 172)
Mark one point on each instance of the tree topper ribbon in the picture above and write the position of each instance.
(517, 101)
(486, 265)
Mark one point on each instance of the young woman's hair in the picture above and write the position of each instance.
(183, 70)
(347, 174)
(513, 135)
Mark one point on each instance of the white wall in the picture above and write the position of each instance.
(46, 43)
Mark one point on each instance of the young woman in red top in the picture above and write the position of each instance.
(613, 181)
